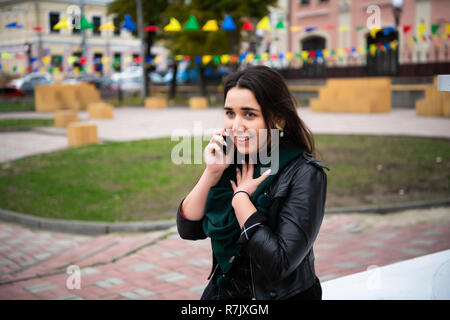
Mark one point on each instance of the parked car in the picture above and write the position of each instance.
(11, 92)
(27, 83)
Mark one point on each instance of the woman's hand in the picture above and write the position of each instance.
(245, 181)
(215, 158)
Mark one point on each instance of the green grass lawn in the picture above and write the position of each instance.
(131, 181)
(17, 105)
(24, 124)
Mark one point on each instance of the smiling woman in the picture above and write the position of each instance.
(262, 223)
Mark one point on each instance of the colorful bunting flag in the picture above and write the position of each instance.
(211, 25)
(247, 26)
(129, 23)
(280, 24)
(85, 24)
(62, 24)
(191, 24)
(228, 24)
(263, 24)
(109, 26)
(174, 25)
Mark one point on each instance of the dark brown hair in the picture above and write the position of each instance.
(276, 101)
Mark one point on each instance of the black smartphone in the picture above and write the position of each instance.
(227, 148)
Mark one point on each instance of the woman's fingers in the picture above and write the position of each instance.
(244, 169)
(250, 169)
(263, 176)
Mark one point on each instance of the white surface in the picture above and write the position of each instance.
(421, 278)
(444, 82)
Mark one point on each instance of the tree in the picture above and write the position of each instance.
(152, 15)
(199, 43)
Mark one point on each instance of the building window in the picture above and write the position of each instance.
(116, 62)
(116, 22)
(304, 2)
(96, 21)
(53, 18)
(75, 28)
(322, 1)
(56, 61)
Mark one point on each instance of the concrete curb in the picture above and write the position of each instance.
(98, 228)
(82, 227)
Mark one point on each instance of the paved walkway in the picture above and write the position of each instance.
(160, 265)
(133, 123)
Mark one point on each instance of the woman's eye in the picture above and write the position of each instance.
(229, 113)
(250, 114)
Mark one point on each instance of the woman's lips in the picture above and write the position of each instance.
(242, 140)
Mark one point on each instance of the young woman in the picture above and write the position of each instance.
(262, 223)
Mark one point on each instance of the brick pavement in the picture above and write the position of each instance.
(160, 265)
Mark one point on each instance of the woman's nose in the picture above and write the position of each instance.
(237, 124)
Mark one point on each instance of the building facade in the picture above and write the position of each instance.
(338, 24)
(106, 51)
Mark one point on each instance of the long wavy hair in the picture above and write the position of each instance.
(277, 103)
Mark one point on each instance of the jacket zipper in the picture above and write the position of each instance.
(251, 276)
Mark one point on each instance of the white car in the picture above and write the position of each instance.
(30, 80)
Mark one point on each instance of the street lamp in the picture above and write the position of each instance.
(397, 10)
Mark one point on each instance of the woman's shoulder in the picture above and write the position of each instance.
(305, 161)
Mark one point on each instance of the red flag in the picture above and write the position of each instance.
(37, 28)
(138, 59)
(406, 28)
(328, 27)
(312, 54)
(151, 29)
(83, 60)
(247, 26)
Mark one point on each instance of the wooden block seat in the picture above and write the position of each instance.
(100, 110)
(198, 103)
(81, 133)
(64, 117)
(156, 103)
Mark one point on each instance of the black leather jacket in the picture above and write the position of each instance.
(280, 242)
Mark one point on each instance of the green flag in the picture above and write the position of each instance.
(191, 24)
(85, 24)
(434, 28)
(280, 24)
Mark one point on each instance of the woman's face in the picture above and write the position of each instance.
(244, 120)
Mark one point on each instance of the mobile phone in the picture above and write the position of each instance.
(226, 149)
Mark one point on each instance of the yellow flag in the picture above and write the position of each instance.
(421, 29)
(225, 58)
(179, 57)
(374, 31)
(46, 59)
(296, 28)
(289, 55)
(340, 52)
(157, 59)
(372, 49)
(62, 24)
(206, 59)
(263, 24)
(361, 49)
(325, 53)
(394, 44)
(447, 28)
(211, 25)
(265, 56)
(174, 25)
(105, 59)
(305, 54)
(344, 28)
(109, 26)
